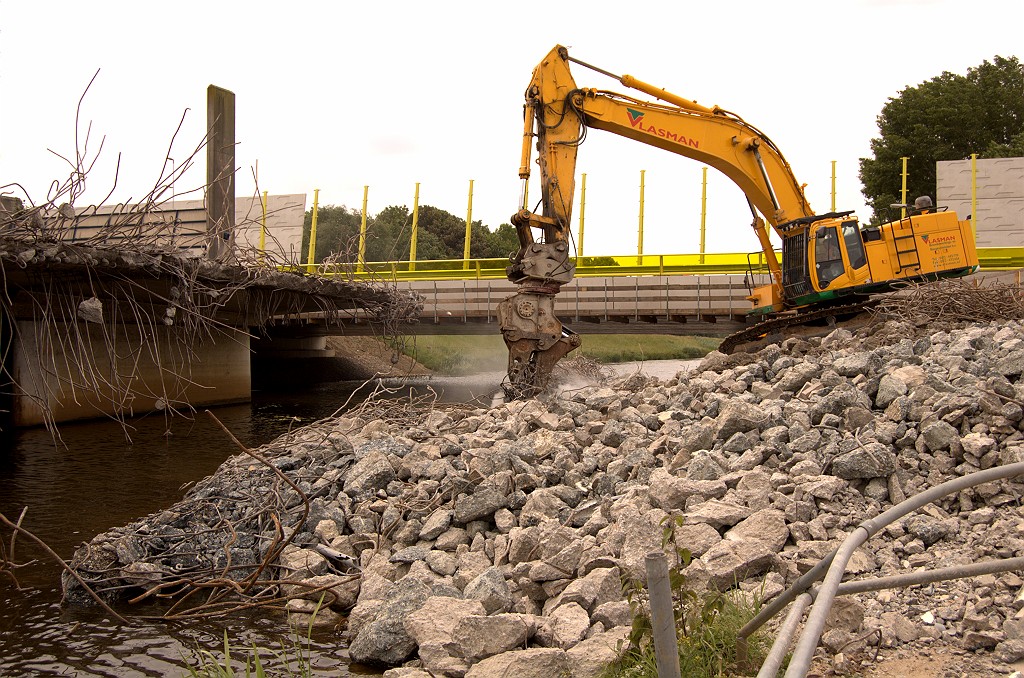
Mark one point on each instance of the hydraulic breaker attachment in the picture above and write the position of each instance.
(535, 338)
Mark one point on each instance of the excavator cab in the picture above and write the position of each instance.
(838, 255)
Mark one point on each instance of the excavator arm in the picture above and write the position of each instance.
(557, 115)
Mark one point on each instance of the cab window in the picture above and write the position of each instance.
(828, 258)
(854, 244)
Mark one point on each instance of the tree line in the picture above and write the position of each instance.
(948, 117)
(440, 235)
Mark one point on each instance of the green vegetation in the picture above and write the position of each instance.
(292, 660)
(946, 118)
(707, 625)
(470, 354)
(440, 235)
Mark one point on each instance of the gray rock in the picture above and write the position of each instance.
(373, 472)
(873, 460)
(767, 526)
(436, 525)
(890, 387)
(670, 493)
(491, 589)
(541, 505)
(541, 662)
(940, 436)
(436, 619)
(569, 624)
(479, 637)
(730, 562)
(410, 554)
(590, 657)
(299, 563)
(717, 514)
(615, 613)
(600, 586)
(481, 504)
(384, 641)
(738, 417)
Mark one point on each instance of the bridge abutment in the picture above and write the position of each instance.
(67, 372)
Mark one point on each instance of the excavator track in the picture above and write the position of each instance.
(768, 329)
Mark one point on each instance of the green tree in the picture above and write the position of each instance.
(441, 235)
(503, 242)
(337, 232)
(945, 118)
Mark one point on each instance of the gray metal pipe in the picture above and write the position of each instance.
(663, 621)
(788, 629)
(808, 642)
(772, 663)
(783, 599)
(929, 576)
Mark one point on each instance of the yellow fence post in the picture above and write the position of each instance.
(311, 260)
(703, 211)
(583, 207)
(974, 193)
(263, 227)
(362, 234)
(833, 185)
(903, 191)
(415, 227)
(469, 227)
(640, 230)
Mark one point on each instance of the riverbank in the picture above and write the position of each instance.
(454, 534)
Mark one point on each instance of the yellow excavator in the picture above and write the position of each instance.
(830, 262)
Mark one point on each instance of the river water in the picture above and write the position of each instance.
(97, 480)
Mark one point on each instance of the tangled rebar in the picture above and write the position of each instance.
(955, 301)
(90, 293)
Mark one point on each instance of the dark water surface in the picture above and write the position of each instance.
(95, 481)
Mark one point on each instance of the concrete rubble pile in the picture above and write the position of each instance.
(494, 541)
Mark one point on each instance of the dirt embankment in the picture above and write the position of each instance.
(368, 357)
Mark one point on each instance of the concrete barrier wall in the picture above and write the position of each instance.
(1000, 190)
(182, 224)
(594, 298)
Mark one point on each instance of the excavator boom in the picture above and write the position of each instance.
(557, 115)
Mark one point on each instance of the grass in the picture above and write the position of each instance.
(292, 660)
(707, 624)
(469, 354)
(707, 649)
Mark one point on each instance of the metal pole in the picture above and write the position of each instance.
(311, 259)
(663, 620)
(415, 227)
(703, 210)
(469, 227)
(833, 185)
(974, 193)
(362, 233)
(263, 227)
(583, 206)
(640, 230)
(903, 191)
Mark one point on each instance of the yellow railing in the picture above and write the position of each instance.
(991, 258)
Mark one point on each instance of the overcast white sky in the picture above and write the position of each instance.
(340, 95)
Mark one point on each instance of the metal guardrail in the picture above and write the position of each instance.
(991, 259)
